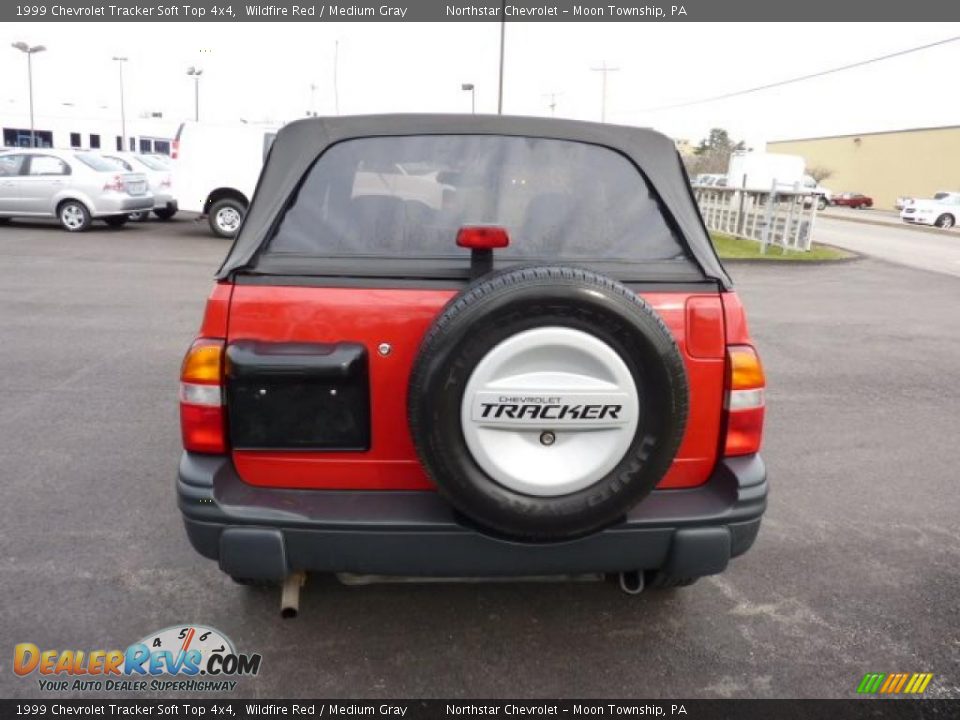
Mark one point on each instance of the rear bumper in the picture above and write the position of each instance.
(265, 534)
(117, 204)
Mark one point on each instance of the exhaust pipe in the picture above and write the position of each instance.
(290, 595)
(631, 582)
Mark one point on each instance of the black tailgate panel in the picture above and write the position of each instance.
(298, 396)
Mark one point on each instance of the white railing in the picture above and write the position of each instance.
(785, 218)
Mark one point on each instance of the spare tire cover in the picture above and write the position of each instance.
(545, 402)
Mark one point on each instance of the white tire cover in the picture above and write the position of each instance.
(550, 411)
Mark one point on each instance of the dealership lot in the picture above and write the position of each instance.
(857, 567)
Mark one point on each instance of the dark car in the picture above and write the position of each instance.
(454, 346)
(853, 200)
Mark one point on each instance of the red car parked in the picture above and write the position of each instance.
(472, 346)
(853, 200)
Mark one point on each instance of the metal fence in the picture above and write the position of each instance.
(783, 218)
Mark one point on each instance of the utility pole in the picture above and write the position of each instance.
(503, 33)
(123, 111)
(605, 69)
(553, 102)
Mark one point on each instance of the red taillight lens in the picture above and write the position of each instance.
(116, 184)
(202, 422)
(175, 149)
(745, 401)
(481, 237)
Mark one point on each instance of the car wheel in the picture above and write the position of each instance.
(165, 213)
(945, 221)
(73, 216)
(545, 402)
(226, 216)
(139, 216)
(821, 204)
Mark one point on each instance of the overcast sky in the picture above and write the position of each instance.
(263, 71)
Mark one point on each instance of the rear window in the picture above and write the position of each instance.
(152, 162)
(98, 162)
(406, 197)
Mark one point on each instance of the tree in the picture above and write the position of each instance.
(820, 173)
(712, 154)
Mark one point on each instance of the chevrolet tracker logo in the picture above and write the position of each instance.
(906, 683)
(587, 409)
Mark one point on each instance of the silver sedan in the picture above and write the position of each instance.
(75, 187)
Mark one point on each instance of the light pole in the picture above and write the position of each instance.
(603, 103)
(123, 110)
(469, 87)
(195, 73)
(30, 51)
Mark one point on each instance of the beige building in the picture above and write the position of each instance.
(884, 165)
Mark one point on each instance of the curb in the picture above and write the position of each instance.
(852, 257)
(881, 223)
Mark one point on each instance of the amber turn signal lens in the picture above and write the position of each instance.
(746, 371)
(203, 362)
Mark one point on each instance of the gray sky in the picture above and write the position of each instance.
(261, 71)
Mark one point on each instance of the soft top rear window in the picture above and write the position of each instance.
(405, 197)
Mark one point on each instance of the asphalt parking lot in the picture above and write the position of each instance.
(857, 567)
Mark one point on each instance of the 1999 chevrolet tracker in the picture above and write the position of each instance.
(466, 346)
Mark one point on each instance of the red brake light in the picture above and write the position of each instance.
(175, 149)
(202, 419)
(481, 237)
(115, 184)
(745, 401)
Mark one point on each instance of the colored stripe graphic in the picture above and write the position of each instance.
(894, 683)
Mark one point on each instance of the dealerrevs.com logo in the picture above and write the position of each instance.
(182, 657)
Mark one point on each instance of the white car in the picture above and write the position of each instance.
(159, 179)
(942, 211)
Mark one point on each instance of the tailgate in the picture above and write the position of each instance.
(317, 383)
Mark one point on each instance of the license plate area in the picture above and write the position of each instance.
(298, 396)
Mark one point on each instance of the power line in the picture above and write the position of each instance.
(804, 77)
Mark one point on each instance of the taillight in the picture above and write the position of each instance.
(115, 184)
(175, 149)
(201, 398)
(744, 401)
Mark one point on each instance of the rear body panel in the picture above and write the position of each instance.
(399, 318)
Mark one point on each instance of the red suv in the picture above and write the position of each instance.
(472, 346)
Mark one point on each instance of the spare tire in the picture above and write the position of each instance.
(546, 402)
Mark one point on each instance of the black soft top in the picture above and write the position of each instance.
(299, 144)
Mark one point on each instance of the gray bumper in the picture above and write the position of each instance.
(266, 533)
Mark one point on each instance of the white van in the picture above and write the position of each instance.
(215, 170)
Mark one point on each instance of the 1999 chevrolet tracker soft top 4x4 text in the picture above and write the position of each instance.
(456, 346)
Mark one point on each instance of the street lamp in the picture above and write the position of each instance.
(469, 87)
(195, 73)
(23, 47)
(123, 112)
